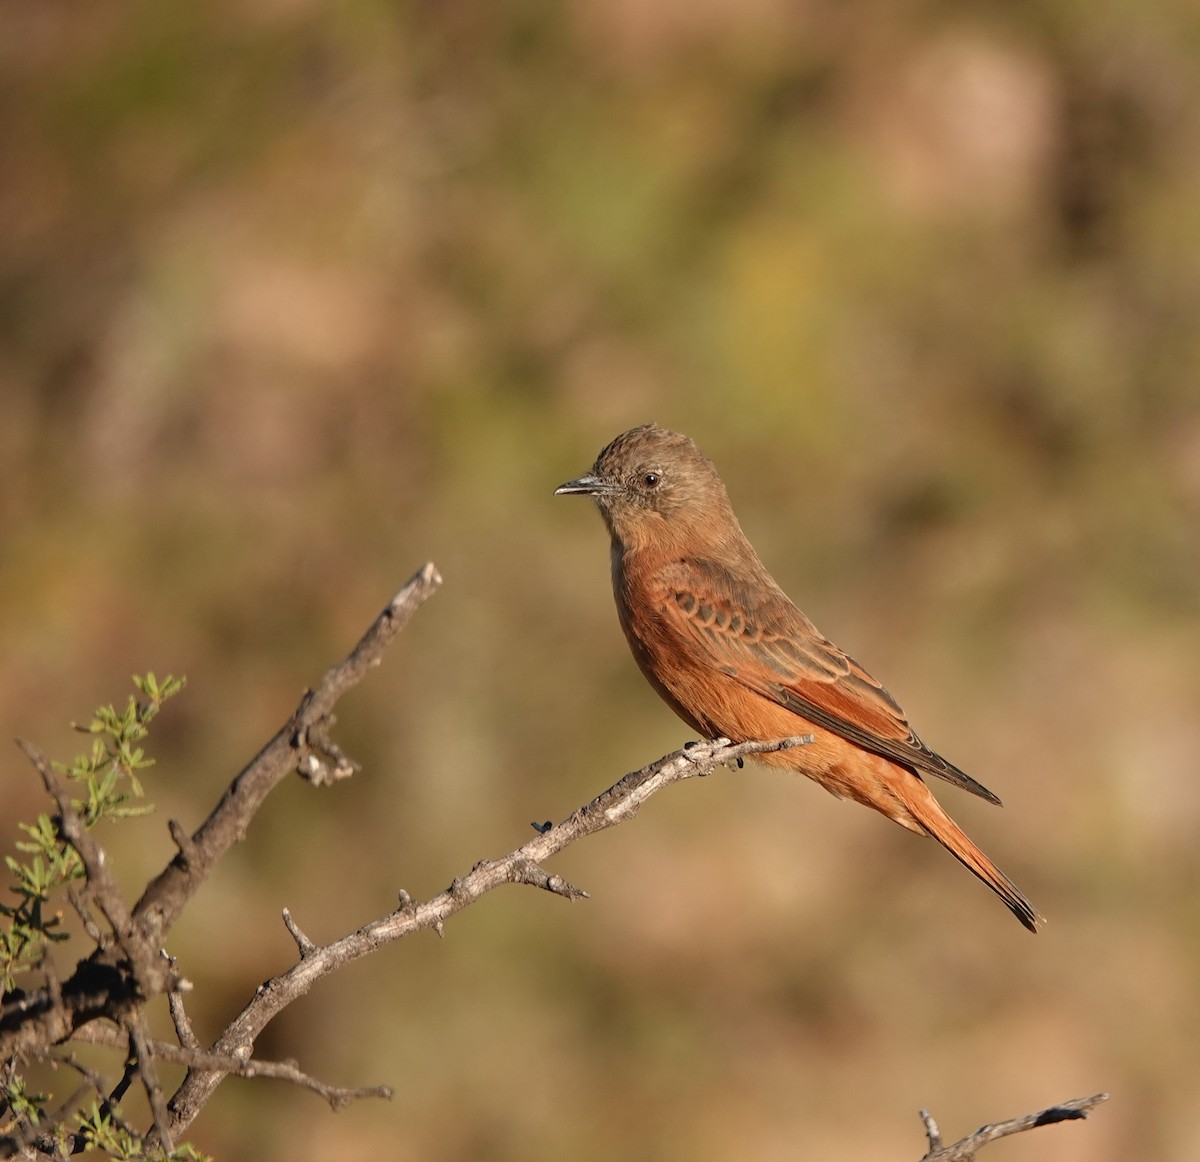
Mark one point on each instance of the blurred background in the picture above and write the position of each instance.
(297, 296)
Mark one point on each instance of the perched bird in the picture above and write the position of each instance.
(732, 656)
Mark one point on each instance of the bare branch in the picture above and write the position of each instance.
(338, 1096)
(966, 1148)
(536, 876)
(290, 750)
(180, 1019)
(521, 866)
(139, 1050)
(115, 981)
(101, 985)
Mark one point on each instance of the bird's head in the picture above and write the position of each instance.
(653, 486)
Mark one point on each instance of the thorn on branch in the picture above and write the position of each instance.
(176, 983)
(565, 888)
(305, 946)
(407, 907)
(183, 841)
(542, 828)
(931, 1130)
(525, 871)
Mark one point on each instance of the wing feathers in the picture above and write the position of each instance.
(777, 652)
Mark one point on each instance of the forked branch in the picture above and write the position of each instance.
(523, 865)
(129, 970)
(102, 1001)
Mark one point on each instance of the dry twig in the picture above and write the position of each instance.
(338, 1096)
(965, 1149)
(521, 866)
(114, 980)
(299, 745)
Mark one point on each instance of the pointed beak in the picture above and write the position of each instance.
(589, 485)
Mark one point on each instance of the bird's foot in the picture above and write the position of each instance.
(711, 743)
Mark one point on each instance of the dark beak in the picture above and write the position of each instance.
(589, 485)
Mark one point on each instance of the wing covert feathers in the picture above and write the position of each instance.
(774, 650)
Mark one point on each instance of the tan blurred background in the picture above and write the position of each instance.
(294, 297)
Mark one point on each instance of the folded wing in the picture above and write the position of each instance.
(775, 651)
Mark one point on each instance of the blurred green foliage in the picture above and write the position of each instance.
(295, 297)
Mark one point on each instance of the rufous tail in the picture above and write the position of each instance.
(929, 813)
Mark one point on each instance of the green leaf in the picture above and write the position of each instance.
(108, 782)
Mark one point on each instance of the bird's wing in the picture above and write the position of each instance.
(769, 646)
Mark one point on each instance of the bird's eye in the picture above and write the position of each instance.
(651, 479)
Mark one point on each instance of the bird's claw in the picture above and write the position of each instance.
(714, 744)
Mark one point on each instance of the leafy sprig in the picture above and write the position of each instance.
(107, 776)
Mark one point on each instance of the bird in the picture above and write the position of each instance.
(729, 652)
